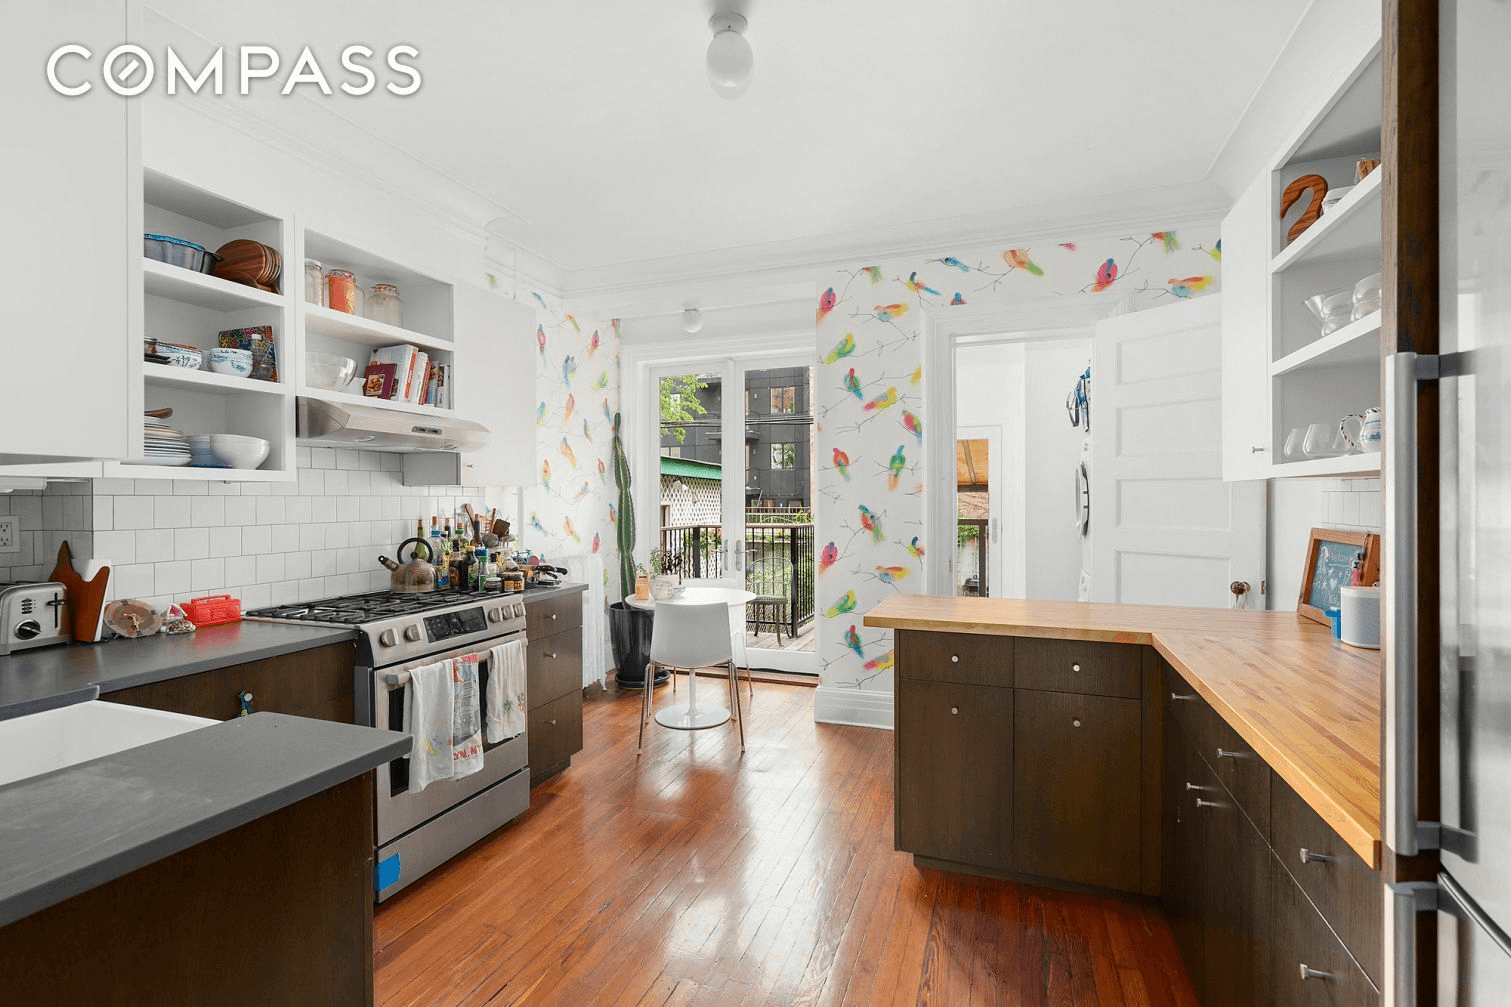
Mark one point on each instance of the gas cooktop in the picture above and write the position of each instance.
(361, 609)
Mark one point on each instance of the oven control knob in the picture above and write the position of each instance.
(495, 614)
(412, 633)
(386, 638)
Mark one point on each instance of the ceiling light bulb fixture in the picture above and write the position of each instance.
(692, 320)
(730, 59)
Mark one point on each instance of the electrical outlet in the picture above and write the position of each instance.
(10, 534)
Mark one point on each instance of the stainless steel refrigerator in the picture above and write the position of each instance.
(1472, 893)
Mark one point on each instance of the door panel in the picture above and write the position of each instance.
(1165, 528)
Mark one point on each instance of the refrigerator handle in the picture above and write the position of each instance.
(1402, 904)
(1404, 831)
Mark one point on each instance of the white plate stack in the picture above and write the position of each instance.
(164, 444)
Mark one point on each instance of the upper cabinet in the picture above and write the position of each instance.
(1294, 373)
(71, 206)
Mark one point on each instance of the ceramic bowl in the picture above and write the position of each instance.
(178, 357)
(238, 451)
(326, 370)
(224, 360)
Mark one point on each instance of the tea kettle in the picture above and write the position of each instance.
(415, 577)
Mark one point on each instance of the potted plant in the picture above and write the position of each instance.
(665, 567)
(642, 583)
(629, 628)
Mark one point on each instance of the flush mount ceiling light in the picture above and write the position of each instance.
(692, 320)
(730, 59)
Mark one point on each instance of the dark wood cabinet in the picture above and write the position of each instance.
(1100, 669)
(1076, 788)
(553, 670)
(1309, 966)
(954, 772)
(967, 658)
(314, 683)
(1216, 882)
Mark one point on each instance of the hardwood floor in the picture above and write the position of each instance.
(696, 875)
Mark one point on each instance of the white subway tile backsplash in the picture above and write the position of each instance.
(154, 545)
(348, 508)
(336, 482)
(225, 541)
(270, 510)
(296, 565)
(190, 488)
(191, 543)
(225, 489)
(153, 487)
(285, 537)
(298, 509)
(133, 512)
(257, 539)
(255, 596)
(269, 567)
(207, 575)
(131, 580)
(311, 536)
(207, 511)
(323, 458)
(170, 512)
(115, 547)
(241, 510)
(240, 570)
(359, 483)
(102, 516)
(336, 536)
(256, 489)
(312, 482)
(170, 578)
(52, 512)
(322, 562)
(346, 458)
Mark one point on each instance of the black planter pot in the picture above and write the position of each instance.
(630, 635)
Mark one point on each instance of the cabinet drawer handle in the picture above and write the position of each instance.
(547, 653)
(1255, 449)
(1308, 857)
(1076, 722)
(1178, 696)
(553, 616)
(1307, 972)
(1191, 786)
(954, 658)
(1223, 753)
(1075, 667)
(552, 722)
(1205, 804)
(955, 709)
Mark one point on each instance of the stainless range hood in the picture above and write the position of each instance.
(374, 429)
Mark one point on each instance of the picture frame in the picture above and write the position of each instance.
(379, 379)
(1332, 554)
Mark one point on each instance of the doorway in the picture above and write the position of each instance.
(732, 490)
(1016, 456)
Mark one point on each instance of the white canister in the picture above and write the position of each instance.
(1359, 612)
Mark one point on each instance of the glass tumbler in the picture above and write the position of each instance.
(314, 282)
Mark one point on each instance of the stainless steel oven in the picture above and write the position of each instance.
(417, 832)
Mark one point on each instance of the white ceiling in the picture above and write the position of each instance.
(592, 128)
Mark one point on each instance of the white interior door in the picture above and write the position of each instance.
(1166, 529)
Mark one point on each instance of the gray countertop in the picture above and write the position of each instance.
(35, 679)
(65, 832)
(556, 591)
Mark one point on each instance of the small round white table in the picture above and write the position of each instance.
(695, 716)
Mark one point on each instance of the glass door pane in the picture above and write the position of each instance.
(778, 509)
(692, 488)
(973, 502)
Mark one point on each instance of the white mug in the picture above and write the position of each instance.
(1372, 433)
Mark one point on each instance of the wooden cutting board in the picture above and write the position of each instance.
(86, 598)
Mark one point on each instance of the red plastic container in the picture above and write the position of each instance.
(213, 610)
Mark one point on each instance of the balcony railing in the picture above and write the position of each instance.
(971, 534)
(779, 565)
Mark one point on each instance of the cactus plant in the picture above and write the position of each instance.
(625, 529)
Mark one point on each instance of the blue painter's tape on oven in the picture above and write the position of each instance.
(386, 873)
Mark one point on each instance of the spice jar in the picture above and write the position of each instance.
(383, 304)
(314, 282)
(342, 292)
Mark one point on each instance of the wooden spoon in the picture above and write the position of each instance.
(160, 414)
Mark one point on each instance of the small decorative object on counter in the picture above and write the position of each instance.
(1364, 166)
(383, 304)
(1335, 559)
(86, 598)
(132, 618)
(213, 610)
(1317, 185)
(177, 624)
(642, 584)
(342, 292)
(314, 282)
(244, 698)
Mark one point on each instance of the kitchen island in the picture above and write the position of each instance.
(228, 865)
(1225, 762)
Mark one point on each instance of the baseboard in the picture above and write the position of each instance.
(856, 707)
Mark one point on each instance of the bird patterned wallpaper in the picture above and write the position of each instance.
(870, 419)
(570, 509)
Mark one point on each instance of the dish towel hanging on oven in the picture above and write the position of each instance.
(467, 729)
(429, 712)
(506, 691)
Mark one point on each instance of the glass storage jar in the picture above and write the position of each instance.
(342, 292)
(314, 282)
(383, 304)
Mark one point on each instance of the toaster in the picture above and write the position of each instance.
(33, 615)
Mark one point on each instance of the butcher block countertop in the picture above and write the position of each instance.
(1309, 706)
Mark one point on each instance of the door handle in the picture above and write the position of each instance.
(739, 555)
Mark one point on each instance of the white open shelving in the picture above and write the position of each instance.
(178, 284)
(1349, 230)
(324, 321)
(1356, 342)
(350, 398)
(1341, 466)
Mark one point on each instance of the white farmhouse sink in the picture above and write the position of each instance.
(55, 739)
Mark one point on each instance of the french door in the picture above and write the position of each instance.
(726, 489)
